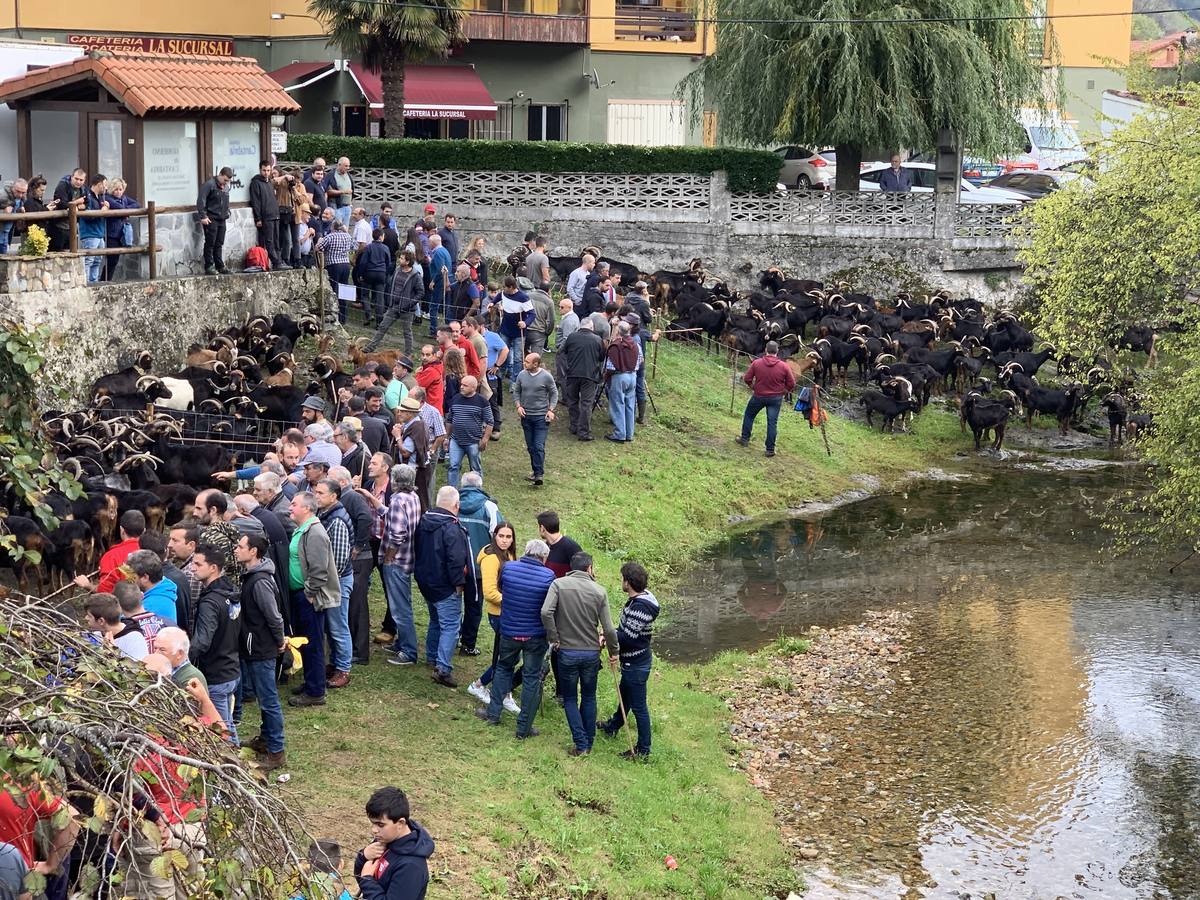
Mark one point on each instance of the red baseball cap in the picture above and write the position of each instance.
(429, 207)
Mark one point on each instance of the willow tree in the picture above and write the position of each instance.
(388, 36)
(1124, 251)
(869, 73)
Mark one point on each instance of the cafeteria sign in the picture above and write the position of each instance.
(175, 46)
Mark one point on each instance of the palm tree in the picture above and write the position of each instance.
(387, 36)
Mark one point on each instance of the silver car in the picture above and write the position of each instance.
(805, 169)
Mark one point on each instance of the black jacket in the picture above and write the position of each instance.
(374, 435)
(213, 203)
(262, 199)
(64, 193)
(280, 540)
(636, 303)
(403, 872)
(317, 189)
(593, 302)
(359, 512)
(217, 635)
(441, 555)
(583, 355)
(183, 595)
(262, 623)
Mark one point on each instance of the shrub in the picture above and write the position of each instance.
(747, 170)
(36, 242)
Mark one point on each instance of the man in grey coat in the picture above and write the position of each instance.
(313, 579)
(574, 612)
(536, 335)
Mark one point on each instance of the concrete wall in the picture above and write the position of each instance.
(91, 327)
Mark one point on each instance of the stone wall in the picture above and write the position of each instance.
(91, 327)
(60, 272)
(182, 242)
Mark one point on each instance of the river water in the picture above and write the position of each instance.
(1048, 744)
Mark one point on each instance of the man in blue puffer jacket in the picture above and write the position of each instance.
(523, 585)
(440, 560)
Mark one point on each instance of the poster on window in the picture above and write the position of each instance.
(236, 145)
(171, 160)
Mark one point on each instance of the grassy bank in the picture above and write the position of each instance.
(524, 819)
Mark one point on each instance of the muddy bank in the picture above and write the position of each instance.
(795, 714)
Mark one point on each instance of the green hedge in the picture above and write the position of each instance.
(748, 170)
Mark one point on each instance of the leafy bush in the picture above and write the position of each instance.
(747, 170)
(36, 242)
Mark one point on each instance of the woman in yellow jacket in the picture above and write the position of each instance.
(491, 560)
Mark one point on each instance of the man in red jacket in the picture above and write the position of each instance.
(771, 379)
(133, 526)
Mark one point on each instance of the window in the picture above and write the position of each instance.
(872, 177)
(171, 159)
(236, 144)
(109, 160)
(547, 123)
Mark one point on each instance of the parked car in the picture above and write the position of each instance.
(1037, 184)
(805, 169)
(923, 177)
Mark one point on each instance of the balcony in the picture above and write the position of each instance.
(656, 20)
(535, 21)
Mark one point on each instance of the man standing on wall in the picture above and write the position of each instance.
(212, 206)
(265, 207)
(339, 189)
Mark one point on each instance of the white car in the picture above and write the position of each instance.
(923, 177)
(805, 169)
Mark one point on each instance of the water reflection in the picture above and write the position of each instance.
(1048, 743)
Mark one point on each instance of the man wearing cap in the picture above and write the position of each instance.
(314, 471)
(374, 428)
(429, 210)
(581, 357)
(312, 411)
(543, 317)
(212, 206)
(623, 358)
(398, 388)
(412, 446)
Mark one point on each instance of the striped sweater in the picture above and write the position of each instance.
(636, 626)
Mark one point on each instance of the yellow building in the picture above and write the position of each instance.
(584, 70)
(1090, 50)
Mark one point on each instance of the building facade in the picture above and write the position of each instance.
(1087, 43)
(579, 70)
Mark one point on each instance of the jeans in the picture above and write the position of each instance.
(310, 623)
(622, 404)
(342, 214)
(337, 624)
(359, 618)
(497, 398)
(753, 406)
(472, 613)
(92, 265)
(339, 273)
(442, 636)
(516, 355)
(578, 672)
(374, 299)
(536, 428)
(490, 672)
(433, 306)
(530, 652)
(580, 395)
(222, 698)
(390, 317)
(259, 675)
(268, 239)
(214, 244)
(633, 692)
(399, 594)
(457, 452)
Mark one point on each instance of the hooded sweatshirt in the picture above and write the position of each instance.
(217, 634)
(770, 377)
(403, 870)
(262, 623)
(478, 513)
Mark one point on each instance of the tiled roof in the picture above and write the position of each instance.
(157, 82)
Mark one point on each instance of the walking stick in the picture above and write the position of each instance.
(612, 665)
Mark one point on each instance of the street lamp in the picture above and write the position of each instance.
(278, 15)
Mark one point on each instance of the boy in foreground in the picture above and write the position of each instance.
(395, 865)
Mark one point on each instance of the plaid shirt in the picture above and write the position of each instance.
(377, 526)
(402, 517)
(339, 539)
(433, 421)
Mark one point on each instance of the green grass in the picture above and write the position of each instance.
(524, 819)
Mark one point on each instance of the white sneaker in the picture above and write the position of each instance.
(479, 692)
(511, 705)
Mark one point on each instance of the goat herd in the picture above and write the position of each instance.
(909, 349)
(150, 442)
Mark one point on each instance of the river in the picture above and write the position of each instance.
(1048, 744)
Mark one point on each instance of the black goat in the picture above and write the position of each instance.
(1059, 403)
(878, 402)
